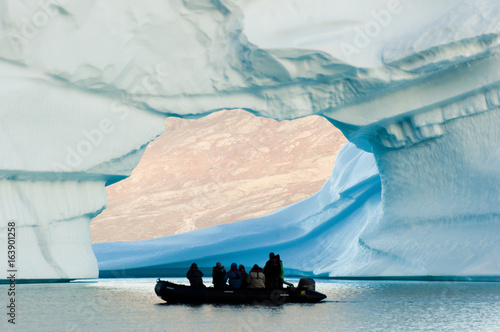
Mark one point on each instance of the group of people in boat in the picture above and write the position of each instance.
(271, 276)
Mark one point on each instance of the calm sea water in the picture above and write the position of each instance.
(131, 304)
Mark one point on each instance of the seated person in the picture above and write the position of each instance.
(244, 275)
(256, 278)
(234, 276)
(195, 276)
(218, 274)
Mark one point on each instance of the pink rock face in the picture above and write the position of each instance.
(223, 168)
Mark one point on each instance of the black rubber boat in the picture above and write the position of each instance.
(175, 293)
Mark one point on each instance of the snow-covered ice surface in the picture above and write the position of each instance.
(85, 87)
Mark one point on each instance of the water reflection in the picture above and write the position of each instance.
(131, 304)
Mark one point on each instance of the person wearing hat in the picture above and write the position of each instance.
(234, 276)
(218, 274)
(256, 278)
(195, 276)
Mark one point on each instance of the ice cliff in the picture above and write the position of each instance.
(414, 86)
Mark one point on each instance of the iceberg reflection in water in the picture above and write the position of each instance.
(131, 304)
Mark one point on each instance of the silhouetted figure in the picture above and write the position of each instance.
(218, 274)
(281, 271)
(195, 276)
(244, 275)
(273, 272)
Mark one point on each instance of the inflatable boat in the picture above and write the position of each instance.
(174, 293)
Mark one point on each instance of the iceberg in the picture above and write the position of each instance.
(413, 86)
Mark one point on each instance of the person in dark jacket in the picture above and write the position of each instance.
(195, 276)
(218, 274)
(244, 275)
(234, 276)
(281, 271)
(273, 272)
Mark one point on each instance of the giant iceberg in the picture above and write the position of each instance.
(414, 87)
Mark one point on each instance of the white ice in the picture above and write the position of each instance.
(85, 86)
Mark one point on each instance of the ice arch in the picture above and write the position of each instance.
(86, 86)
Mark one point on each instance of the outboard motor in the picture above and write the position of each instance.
(307, 283)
